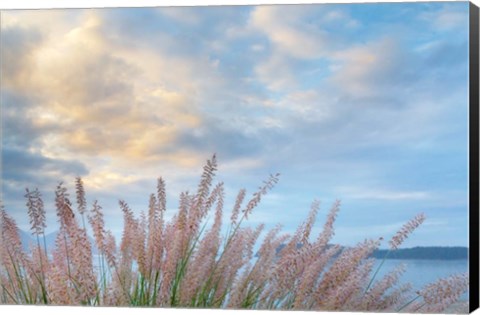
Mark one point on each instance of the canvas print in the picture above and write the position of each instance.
(271, 157)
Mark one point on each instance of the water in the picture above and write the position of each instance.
(418, 272)
(422, 272)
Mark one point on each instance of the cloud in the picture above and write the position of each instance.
(290, 40)
(17, 59)
(300, 33)
(382, 194)
(277, 73)
(304, 34)
(110, 105)
(447, 17)
(309, 105)
(86, 94)
(217, 136)
(373, 69)
(287, 41)
(24, 166)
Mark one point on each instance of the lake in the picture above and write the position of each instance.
(420, 272)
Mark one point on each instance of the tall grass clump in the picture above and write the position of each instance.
(190, 261)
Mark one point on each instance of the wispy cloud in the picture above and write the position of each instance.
(447, 17)
(382, 194)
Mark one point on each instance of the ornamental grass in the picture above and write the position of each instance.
(187, 262)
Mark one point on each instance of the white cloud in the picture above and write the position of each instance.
(382, 194)
(448, 17)
(286, 33)
(294, 33)
(277, 73)
(365, 70)
(309, 105)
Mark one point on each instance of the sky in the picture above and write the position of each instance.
(366, 103)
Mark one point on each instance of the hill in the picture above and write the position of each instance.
(427, 252)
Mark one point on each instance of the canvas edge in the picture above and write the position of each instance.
(474, 158)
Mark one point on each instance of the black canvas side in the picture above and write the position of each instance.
(474, 159)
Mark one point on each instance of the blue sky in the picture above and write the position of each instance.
(362, 103)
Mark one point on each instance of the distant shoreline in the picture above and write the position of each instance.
(416, 253)
(424, 253)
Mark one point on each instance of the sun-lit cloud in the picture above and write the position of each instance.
(88, 94)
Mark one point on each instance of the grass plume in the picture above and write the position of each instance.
(190, 261)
